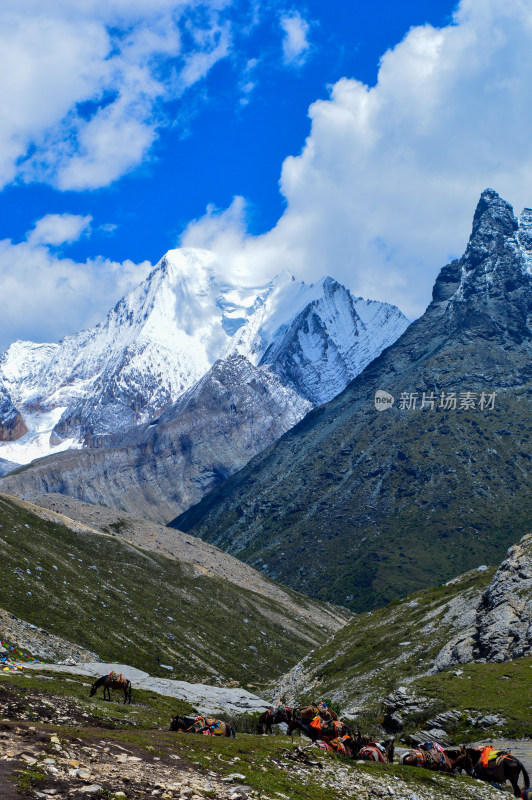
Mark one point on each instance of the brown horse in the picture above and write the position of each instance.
(203, 725)
(112, 681)
(437, 759)
(274, 716)
(502, 767)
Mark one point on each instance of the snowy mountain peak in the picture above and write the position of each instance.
(162, 337)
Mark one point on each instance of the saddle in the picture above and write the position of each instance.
(330, 728)
(491, 758)
(210, 726)
(117, 678)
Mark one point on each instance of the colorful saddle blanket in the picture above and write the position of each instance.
(330, 729)
(334, 745)
(372, 752)
(210, 726)
(435, 752)
(116, 677)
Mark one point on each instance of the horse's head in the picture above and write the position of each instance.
(176, 723)
(465, 761)
(473, 753)
(389, 746)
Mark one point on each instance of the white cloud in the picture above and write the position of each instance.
(65, 296)
(56, 229)
(84, 86)
(295, 38)
(383, 192)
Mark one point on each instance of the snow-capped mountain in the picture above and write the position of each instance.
(161, 338)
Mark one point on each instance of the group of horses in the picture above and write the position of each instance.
(321, 724)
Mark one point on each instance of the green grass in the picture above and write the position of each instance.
(504, 689)
(29, 779)
(148, 710)
(135, 607)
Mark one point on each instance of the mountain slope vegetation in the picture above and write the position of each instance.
(361, 506)
(144, 609)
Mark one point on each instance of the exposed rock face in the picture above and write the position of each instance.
(161, 468)
(359, 506)
(12, 425)
(399, 704)
(7, 466)
(40, 643)
(502, 626)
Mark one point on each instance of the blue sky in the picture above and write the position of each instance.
(341, 138)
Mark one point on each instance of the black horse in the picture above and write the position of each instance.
(112, 681)
(273, 716)
(504, 767)
(203, 725)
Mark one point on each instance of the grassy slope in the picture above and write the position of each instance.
(396, 645)
(335, 508)
(132, 606)
(503, 689)
(378, 650)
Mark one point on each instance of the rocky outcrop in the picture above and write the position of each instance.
(502, 626)
(7, 466)
(400, 704)
(40, 643)
(12, 425)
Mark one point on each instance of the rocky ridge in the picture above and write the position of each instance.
(12, 425)
(7, 466)
(40, 643)
(203, 558)
(499, 627)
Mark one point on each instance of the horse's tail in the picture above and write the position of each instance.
(525, 773)
(233, 732)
